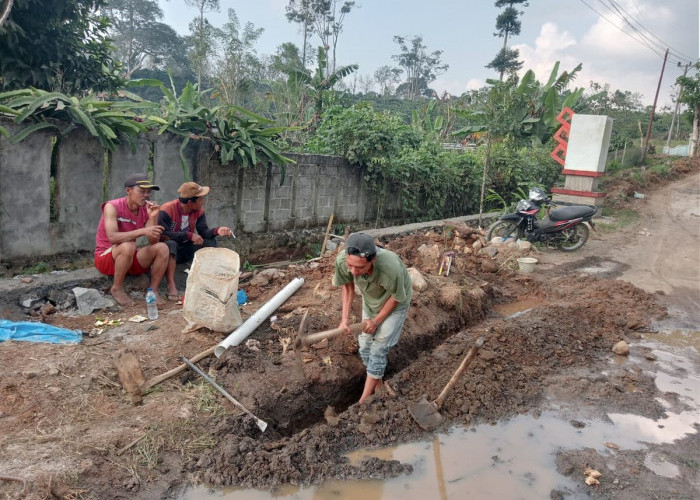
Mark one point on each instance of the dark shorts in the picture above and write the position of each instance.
(105, 264)
(185, 252)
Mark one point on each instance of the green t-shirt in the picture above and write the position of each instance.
(389, 278)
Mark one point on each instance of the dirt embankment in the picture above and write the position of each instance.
(70, 430)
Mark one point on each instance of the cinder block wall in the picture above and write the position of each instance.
(250, 200)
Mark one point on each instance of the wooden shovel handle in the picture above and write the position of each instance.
(317, 337)
(157, 380)
(462, 367)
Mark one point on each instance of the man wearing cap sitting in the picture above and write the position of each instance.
(386, 290)
(186, 229)
(122, 221)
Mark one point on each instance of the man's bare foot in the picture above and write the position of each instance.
(121, 297)
(159, 300)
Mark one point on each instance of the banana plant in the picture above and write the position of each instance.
(236, 133)
(111, 122)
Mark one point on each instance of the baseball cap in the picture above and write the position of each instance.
(192, 189)
(140, 180)
(360, 244)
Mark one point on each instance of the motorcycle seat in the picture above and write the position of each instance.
(572, 212)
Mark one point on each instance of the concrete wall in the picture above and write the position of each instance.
(250, 200)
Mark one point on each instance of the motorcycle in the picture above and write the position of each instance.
(564, 228)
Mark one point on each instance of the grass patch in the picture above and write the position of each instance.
(174, 436)
(207, 399)
(38, 268)
(623, 217)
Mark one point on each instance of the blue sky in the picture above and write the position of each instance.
(552, 30)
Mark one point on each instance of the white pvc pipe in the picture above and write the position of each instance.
(249, 325)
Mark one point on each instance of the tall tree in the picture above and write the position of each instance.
(140, 40)
(386, 77)
(299, 11)
(507, 24)
(56, 45)
(420, 66)
(202, 35)
(325, 18)
(239, 65)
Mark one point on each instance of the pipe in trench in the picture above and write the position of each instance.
(249, 325)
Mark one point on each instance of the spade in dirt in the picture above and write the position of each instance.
(427, 414)
(260, 423)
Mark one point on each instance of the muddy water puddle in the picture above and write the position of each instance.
(515, 309)
(512, 459)
(515, 458)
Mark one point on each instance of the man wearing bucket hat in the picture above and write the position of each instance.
(386, 290)
(122, 221)
(186, 229)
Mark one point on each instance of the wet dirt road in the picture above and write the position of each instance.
(659, 254)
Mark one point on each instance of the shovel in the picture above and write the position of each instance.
(261, 424)
(427, 414)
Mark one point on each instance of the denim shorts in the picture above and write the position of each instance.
(374, 348)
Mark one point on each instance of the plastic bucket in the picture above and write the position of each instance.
(527, 264)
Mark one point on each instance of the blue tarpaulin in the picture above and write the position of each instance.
(30, 331)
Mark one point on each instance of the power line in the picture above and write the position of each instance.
(620, 13)
(642, 38)
(624, 13)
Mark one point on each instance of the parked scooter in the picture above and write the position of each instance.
(563, 228)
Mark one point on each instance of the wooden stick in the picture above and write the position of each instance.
(157, 380)
(133, 443)
(328, 230)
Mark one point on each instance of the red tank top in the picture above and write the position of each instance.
(126, 221)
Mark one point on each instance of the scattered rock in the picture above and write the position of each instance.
(489, 251)
(29, 300)
(591, 481)
(577, 424)
(524, 246)
(89, 299)
(450, 297)
(621, 348)
(489, 266)
(477, 245)
(47, 309)
(417, 279)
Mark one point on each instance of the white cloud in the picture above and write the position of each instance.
(551, 45)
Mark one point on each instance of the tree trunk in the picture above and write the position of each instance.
(694, 150)
(483, 178)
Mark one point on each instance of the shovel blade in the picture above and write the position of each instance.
(262, 425)
(425, 414)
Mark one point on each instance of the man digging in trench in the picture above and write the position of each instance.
(386, 290)
(186, 229)
(122, 221)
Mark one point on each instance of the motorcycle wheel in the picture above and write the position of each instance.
(504, 229)
(574, 238)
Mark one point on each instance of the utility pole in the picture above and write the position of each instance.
(653, 108)
(675, 112)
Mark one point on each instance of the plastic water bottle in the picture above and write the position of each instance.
(151, 305)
